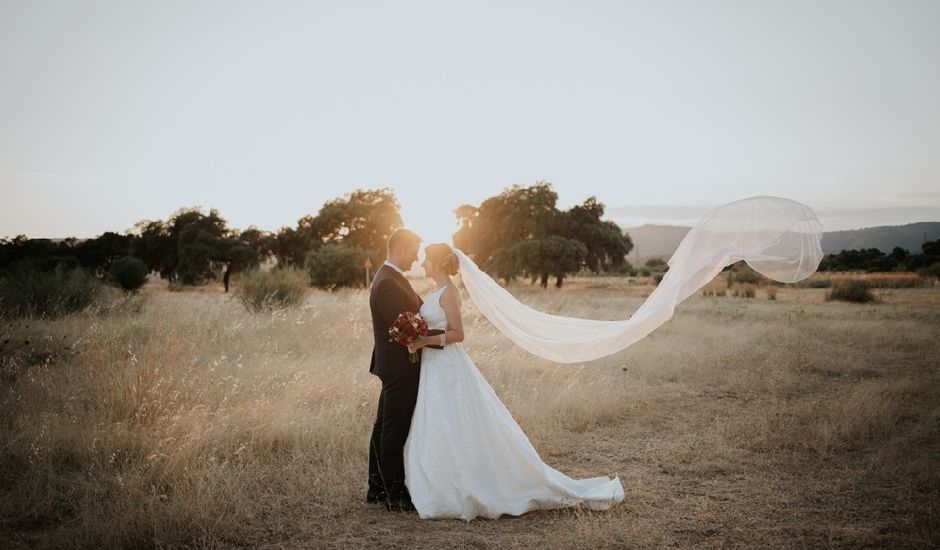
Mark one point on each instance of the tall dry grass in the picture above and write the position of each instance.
(877, 280)
(740, 422)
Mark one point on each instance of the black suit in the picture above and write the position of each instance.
(390, 295)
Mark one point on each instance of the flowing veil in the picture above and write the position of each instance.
(778, 237)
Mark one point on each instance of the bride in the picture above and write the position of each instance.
(465, 455)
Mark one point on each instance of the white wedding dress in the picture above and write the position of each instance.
(466, 456)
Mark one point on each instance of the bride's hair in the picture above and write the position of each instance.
(442, 256)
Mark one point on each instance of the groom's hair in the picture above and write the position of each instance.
(400, 238)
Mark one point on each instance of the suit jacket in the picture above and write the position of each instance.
(390, 295)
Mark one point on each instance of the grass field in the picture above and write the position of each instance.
(183, 420)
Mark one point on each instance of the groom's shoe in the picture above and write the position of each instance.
(401, 504)
(376, 497)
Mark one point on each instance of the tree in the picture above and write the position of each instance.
(128, 272)
(237, 256)
(156, 247)
(262, 242)
(899, 255)
(657, 264)
(97, 254)
(869, 259)
(517, 214)
(289, 247)
(336, 265)
(521, 230)
(200, 241)
(362, 219)
(607, 246)
(191, 246)
(36, 254)
(552, 256)
(931, 248)
(930, 256)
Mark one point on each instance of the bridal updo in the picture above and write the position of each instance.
(443, 257)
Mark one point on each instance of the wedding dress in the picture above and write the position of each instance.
(466, 456)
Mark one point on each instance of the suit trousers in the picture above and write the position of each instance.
(386, 449)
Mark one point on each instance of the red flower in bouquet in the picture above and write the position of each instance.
(407, 328)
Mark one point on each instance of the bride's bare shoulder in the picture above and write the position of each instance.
(451, 294)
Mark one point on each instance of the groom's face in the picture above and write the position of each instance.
(410, 256)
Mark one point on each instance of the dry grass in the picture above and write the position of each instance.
(880, 280)
(785, 423)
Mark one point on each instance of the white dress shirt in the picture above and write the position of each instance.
(395, 267)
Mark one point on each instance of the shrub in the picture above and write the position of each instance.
(115, 301)
(28, 292)
(657, 264)
(626, 268)
(280, 288)
(817, 283)
(740, 272)
(895, 280)
(771, 293)
(335, 265)
(658, 278)
(129, 273)
(851, 290)
(744, 291)
(932, 271)
(643, 272)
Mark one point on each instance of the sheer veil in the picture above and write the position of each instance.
(778, 237)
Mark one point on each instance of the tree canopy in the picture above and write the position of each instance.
(362, 220)
(521, 231)
(872, 259)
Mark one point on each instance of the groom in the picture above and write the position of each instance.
(390, 295)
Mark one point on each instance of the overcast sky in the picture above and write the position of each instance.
(112, 112)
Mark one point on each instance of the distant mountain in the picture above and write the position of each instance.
(884, 238)
(662, 240)
(651, 240)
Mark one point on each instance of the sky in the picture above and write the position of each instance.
(113, 112)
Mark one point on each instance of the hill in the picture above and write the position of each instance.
(662, 240)
(652, 240)
(884, 238)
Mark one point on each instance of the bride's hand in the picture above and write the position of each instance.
(416, 345)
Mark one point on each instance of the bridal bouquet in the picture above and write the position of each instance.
(407, 328)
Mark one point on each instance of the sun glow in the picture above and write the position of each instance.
(432, 219)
